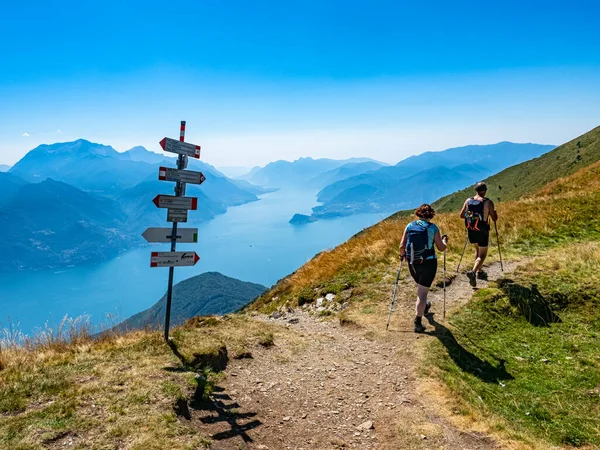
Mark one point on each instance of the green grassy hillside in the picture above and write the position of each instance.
(526, 178)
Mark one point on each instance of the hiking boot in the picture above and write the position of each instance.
(427, 308)
(472, 278)
(481, 275)
(419, 328)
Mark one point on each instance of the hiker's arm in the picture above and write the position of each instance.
(439, 242)
(463, 211)
(492, 211)
(403, 245)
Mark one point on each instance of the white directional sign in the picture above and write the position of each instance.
(172, 259)
(187, 235)
(177, 215)
(171, 201)
(184, 176)
(181, 148)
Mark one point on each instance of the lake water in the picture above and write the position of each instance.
(252, 242)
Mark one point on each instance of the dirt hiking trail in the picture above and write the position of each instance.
(327, 386)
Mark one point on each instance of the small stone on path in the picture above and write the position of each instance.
(368, 425)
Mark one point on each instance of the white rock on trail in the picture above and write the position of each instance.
(330, 297)
(368, 425)
(320, 302)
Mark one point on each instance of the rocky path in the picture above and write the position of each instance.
(326, 386)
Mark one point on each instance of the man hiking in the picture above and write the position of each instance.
(476, 212)
(417, 248)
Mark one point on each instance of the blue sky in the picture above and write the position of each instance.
(264, 80)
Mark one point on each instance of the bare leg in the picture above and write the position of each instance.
(480, 259)
(476, 256)
(422, 292)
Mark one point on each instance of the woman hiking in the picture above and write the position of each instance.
(417, 247)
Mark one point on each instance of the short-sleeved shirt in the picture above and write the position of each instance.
(433, 228)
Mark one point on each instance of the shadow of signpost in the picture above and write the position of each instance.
(467, 361)
(221, 412)
(218, 407)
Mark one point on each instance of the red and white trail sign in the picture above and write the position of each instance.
(183, 176)
(174, 202)
(173, 259)
(181, 148)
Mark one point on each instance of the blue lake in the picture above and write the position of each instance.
(252, 242)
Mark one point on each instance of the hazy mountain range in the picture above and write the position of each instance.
(4, 168)
(75, 202)
(308, 172)
(421, 178)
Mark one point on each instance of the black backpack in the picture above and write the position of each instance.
(417, 243)
(474, 214)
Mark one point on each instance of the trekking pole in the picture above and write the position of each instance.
(394, 294)
(498, 241)
(444, 283)
(463, 253)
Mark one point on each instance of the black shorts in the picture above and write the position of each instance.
(481, 237)
(424, 273)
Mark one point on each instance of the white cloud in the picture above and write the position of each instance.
(25, 134)
(58, 131)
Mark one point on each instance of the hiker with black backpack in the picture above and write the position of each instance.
(417, 248)
(477, 212)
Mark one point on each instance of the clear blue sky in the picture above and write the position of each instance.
(265, 80)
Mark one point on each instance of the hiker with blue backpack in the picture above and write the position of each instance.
(477, 212)
(417, 248)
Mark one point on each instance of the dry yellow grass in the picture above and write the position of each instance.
(119, 390)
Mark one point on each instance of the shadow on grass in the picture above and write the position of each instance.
(216, 360)
(222, 412)
(530, 303)
(467, 361)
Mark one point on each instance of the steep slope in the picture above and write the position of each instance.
(490, 158)
(51, 224)
(9, 186)
(205, 294)
(525, 178)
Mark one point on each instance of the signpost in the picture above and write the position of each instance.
(178, 206)
(172, 259)
(185, 176)
(180, 147)
(175, 202)
(184, 235)
(177, 215)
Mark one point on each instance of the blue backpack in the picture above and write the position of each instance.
(417, 243)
